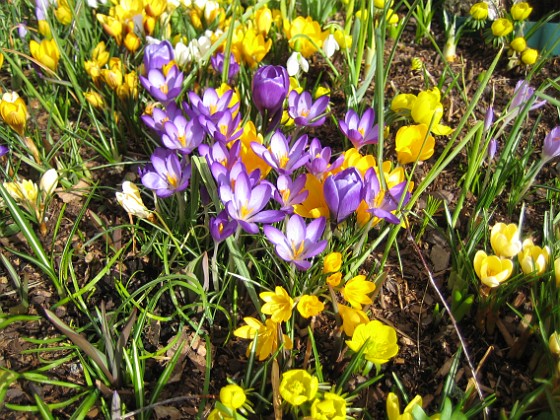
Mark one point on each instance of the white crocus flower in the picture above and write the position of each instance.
(181, 52)
(131, 201)
(295, 63)
(48, 182)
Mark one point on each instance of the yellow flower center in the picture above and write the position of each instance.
(173, 181)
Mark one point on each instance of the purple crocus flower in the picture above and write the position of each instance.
(320, 159)
(157, 55)
(220, 158)
(300, 243)
(247, 203)
(226, 180)
(289, 193)
(224, 127)
(304, 111)
(158, 117)
(182, 135)
(210, 106)
(166, 174)
(343, 193)
(3, 149)
(492, 148)
(360, 131)
(381, 204)
(217, 61)
(221, 226)
(488, 119)
(270, 87)
(551, 146)
(280, 156)
(522, 94)
(41, 7)
(163, 88)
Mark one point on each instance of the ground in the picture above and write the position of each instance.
(505, 358)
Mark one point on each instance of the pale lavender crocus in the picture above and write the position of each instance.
(320, 159)
(221, 226)
(182, 135)
(289, 193)
(343, 193)
(247, 204)
(522, 94)
(166, 174)
(157, 55)
(300, 243)
(382, 203)
(163, 88)
(210, 106)
(158, 117)
(360, 130)
(305, 111)
(224, 127)
(280, 156)
(551, 146)
(220, 158)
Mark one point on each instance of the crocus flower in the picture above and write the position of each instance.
(278, 304)
(533, 258)
(270, 87)
(131, 201)
(295, 63)
(157, 55)
(505, 240)
(304, 111)
(289, 193)
(163, 87)
(210, 106)
(320, 159)
(551, 146)
(267, 336)
(379, 340)
(491, 269)
(155, 117)
(414, 143)
(221, 226)
(351, 318)
(356, 291)
(300, 242)
(280, 156)
(305, 35)
(309, 305)
(522, 94)
(247, 203)
(217, 61)
(4, 149)
(298, 386)
(393, 405)
(182, 135)
(360, 131)
(224, 127)
(14, 111)
(380, 203)
(343, 193)
(46, 53)
(332, 262)
(166, 174)
(220, 158)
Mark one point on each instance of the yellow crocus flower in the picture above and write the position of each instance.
(46, 53)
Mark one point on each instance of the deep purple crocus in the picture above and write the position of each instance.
(289, 193)
(221, 226)
(551, 146)
(182, 135)
(382, 204)
(157, 55)
(217, 61)
(343, 193)
(247, 203)
(3, 149)
(306, 112)
(270, 87)
(166, 174)
(360, 131)
(300, 243)
(163, 88)
(280, 156)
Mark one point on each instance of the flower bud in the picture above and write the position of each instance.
(521, 11)
(14, 111)
(505, 240)
(502, 27)
(529, 56)
(554, 343)
(48, 182)
(518, 44)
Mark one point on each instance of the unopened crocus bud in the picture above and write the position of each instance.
(131, 201)
(488, 119)
(502, 27)
(521, 11)
(554, 344)
(332, 262)
(14, 111)
(533, 258)
(95, 99)
(551, 146)
(263, 20)
(529, 56)
(479, 11)
(505, 240)
(270, 88)
(48, 182)
(557, 271)
(519, 44)
(343, 193)
(132, 42)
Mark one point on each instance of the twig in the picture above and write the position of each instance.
(451, 317)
